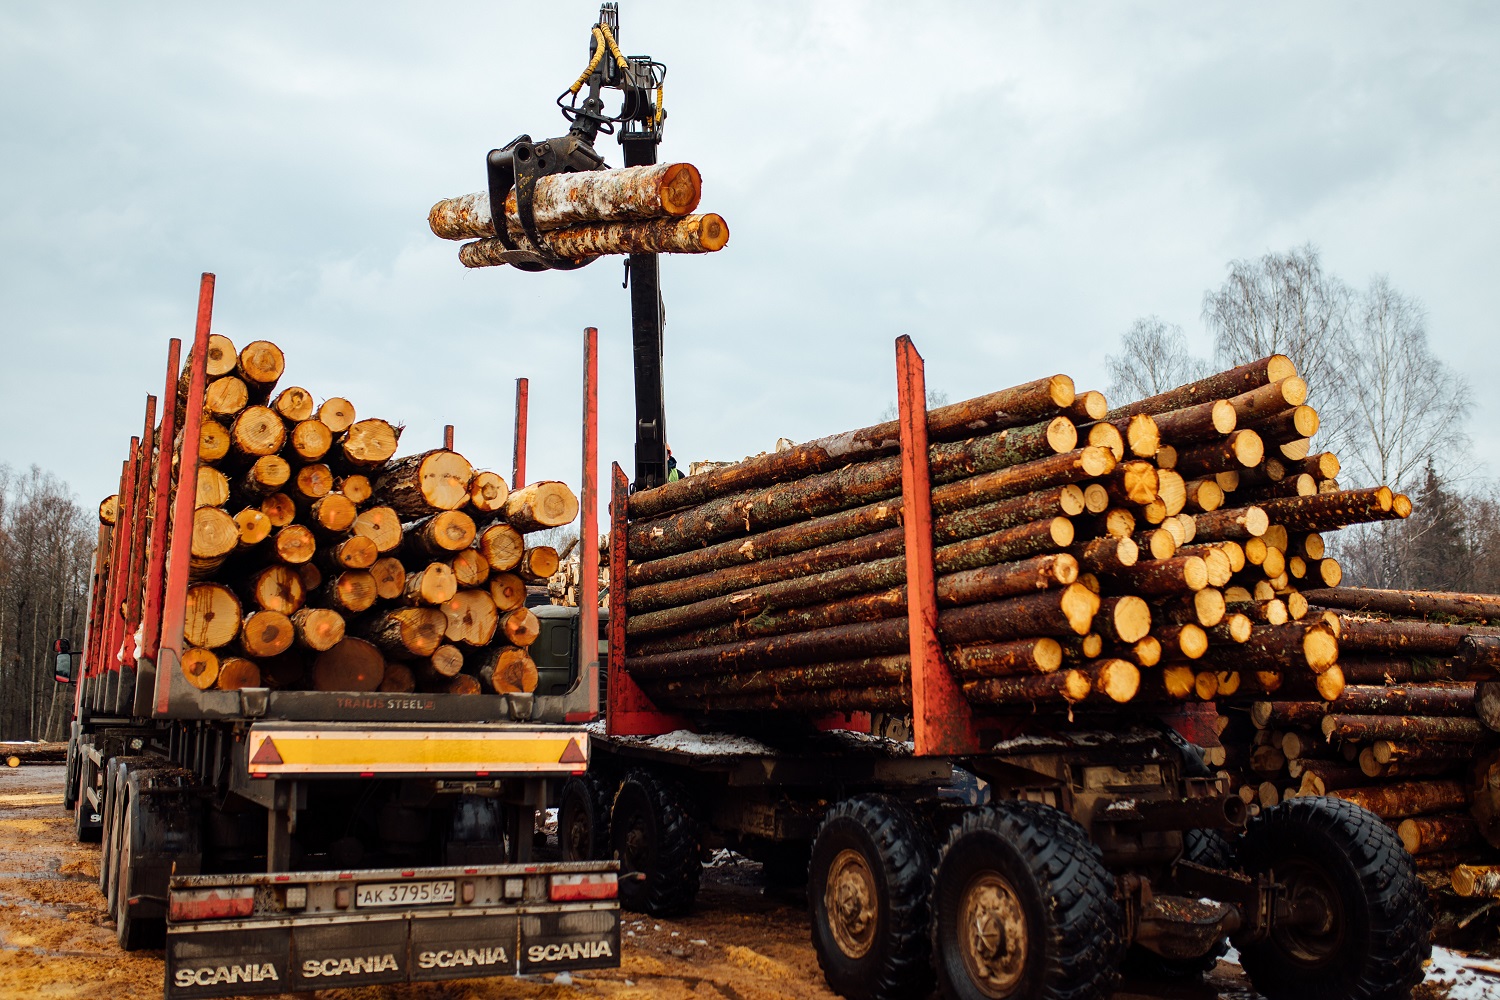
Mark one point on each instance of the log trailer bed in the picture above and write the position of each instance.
(294, 840)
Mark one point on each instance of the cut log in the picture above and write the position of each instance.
(1171, 491)
(310, 440)
(1402, 799)
(1147, 652)
(1008, 408)
(1197, 423)
(1324, 465)
(1240, 450)
(1327, 511)
(1445, 699)
(1005, 659)
(1203, 495)
(690, 234)
(538, 564)
(213, 440)
(1105, 555)
(1087, 407)
(502, 547)
(213, 488)
(1095, 498)
(351, 665)
(256, 431)
(276, 588)
(487, 494)
(432, 585)
(280, 508)
(334, 513)
(260, 366)
(520, 627)
(1133, 482)
(472, 618)
(1106, 436)
(200, 667)
(1476, 880)
(293, 544)
(313, 482)
(564, 200)
(398, 679)
(1408, 603)
(1188, 641)
(349, 592)
(255, 527)
(536, 506)
(470, 568)
(508, 591)
(464, 684)
(312, 577)
(1224, 385)
(337, 414)
(1064, 685)
(266, 633)
(1392, 670)
(225, 397)
(390, 578)
(1232, 524)
(286, 672)
(445, 663)
(404, 633)
(1363, 728)
(381, 525)
(418, 485)
(367, 445)
(438, 536)
(221, 358)
(1374, 635)
(294, 404)
(1161, 577)
(1235, 628)
(1269, 400)
(215, 535)
(355, 552)
(1300, 422)
(1279, 714)
(1485, 704)
(267, 475)
(509, 670)
(318, 629)
(356, 487)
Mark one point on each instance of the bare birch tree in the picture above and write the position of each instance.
(1154, 357)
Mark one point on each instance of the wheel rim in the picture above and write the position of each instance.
(852, 903)
(122, 870)
(992, 935)
(577, 836)
(1308, 885)
(636, 848)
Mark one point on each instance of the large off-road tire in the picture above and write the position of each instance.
(583, 818)
(133, 932)
(1024, 909)
(1211, 849)
(1379, 927)
(656, 835)
(868, 885)
(109, 832)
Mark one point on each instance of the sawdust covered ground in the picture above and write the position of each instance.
(739, 944)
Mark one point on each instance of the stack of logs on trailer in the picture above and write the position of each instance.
(1084, 556)
(1415, 736)
(321, 562)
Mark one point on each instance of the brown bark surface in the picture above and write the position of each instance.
(351, 665)
(540, 505)
(418, 485)
(1375, 635)
(1005, 659)
(1363, 728)
(1408, 603)
(1411, 798)
(1064, 685)
(403, 633)
(1326, 511)
(690, 234)
(1196, 423)
(1162, 577)
(1224, 385)
(1239, 450)
(1231, 524)
(1444, 699)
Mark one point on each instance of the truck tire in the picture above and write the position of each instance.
(868, 885)
(1211, 849)
(108, 836)
(1024, 909)
(70, 776)
(656, 836)
(1380, 927)
(84, 827)
(132, 932)
(583, 819)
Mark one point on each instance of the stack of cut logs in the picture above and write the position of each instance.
(1152, 553)
(1414, 737)
(320, 562)
(581, 216)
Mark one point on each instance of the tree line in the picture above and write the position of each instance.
(46, 559)
(1392, 411)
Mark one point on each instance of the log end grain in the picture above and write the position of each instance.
(351, 665)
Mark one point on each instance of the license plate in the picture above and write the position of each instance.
(403, 893)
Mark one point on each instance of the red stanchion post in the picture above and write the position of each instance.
(518, 448)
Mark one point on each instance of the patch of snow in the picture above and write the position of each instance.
(1232, 956)
(701, 744)
(1463, 977)
(563, 979)
(1120, 805)
(1075, 738)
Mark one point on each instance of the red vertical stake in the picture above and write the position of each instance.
(180, 550)
(631, 712)
(119, 570)
(588, 524)
(135, 572)
(518, 448)
(447, 437)
(942, 722)
(108, 609)
(151, 622)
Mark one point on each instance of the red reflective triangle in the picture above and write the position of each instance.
(573, 754)
(267, 754)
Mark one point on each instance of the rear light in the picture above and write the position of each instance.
(571, 888)
(210, 904)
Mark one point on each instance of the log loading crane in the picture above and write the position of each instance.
(1013, 862)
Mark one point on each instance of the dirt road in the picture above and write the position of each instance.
(56, 941)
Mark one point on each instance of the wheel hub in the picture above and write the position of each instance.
(852, 903)
(992, 935)
(1316, 930)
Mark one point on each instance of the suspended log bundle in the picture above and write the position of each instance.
(346, 568)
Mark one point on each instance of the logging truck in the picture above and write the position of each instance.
(280, 840)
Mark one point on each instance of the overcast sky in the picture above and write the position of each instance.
(1010, 184)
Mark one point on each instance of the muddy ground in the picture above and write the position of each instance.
(56, 941)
